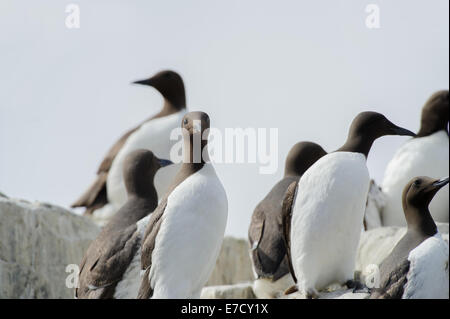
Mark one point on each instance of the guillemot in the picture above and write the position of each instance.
(185, 233)
(107, 194)
(110, 266)
(425, 155)
(417, 267)
(328, 210)
(265, 233)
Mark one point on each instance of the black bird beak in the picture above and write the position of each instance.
(440, 183)
(397, 130)
(144, 82)
(164, 162)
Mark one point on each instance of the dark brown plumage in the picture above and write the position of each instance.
(366, 128)
(435, 114)
(266, 232)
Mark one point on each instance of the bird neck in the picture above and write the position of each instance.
(124, 217)
(430, 126)
(357, 144)
(195, 150)
(419, 220)
(169, 108)
(289, 172)
(142, 187)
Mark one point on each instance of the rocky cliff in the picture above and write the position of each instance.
(38, 241)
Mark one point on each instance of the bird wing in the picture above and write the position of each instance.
(109, 158)
(286, 221)
(148, 244)
(263, 265)
(95, 196)
(393, 286)
(256, 229)
(268, 249)
(105, 262)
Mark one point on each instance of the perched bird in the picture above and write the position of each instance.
(110, 267)
(417, 267)
(185, 232)
(107, 194)
(425, 155)
(328, 208)
(265, 234)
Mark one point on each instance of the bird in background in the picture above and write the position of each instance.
(417, 267)
(265, 233)
(111, 265)
(107, 193)
(185, 232)
(328, 208)
(427, 154)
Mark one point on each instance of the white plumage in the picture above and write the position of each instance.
(190, 236)
(428, 271)
(423, 156)
(327, 218)
(155, 136)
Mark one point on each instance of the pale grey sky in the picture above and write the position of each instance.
(305, 67)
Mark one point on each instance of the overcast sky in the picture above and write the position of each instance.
(304, 67)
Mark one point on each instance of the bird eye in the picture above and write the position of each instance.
(185, 122)
(417, 182)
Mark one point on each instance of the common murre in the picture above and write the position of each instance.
(425, 155)
(107, 194)
(184, 234)
(110, 266)
(328, 212)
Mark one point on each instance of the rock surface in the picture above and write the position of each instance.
(233, 264)
(341, 293)
(237, 291)
(37, 242)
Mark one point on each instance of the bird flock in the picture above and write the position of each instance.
(163, 223)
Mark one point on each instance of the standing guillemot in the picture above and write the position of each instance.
(425, 155)
(107, 194)
(265, 233)
(110, 267)
(184, 234)
(417, 267)
(328, 212)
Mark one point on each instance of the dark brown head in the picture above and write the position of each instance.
(416, 198)
(366, 128)
(195, 127)
(301, 156)
(435, 114)
(139, 170)
(170, 85)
